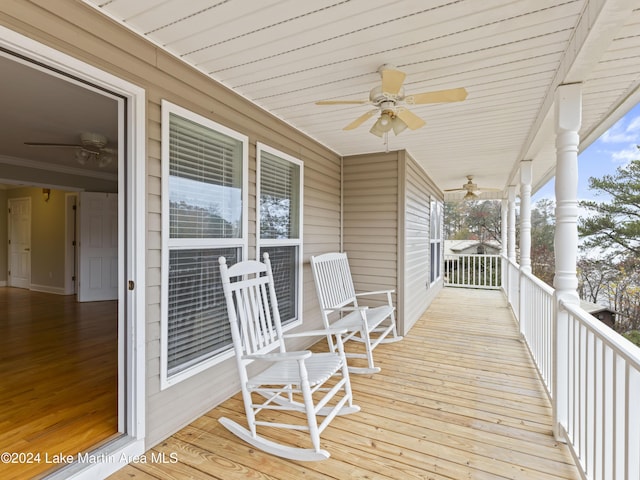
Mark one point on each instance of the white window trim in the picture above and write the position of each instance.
(242, 243)
(260, 242)
(436, 208)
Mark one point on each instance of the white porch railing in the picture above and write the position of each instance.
(536, 308)
(600, 378)
(602, 389)
(472, 271)
(511, 285)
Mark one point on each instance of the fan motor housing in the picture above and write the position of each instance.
(378, 97)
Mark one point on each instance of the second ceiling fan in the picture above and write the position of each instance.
(472, 189)
(389, 99)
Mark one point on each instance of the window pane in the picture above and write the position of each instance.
(198, 325)
(205, 182)
(284, 263)
(279, 197)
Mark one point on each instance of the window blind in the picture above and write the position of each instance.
(198, 325)
(205, 183)
(284, 264)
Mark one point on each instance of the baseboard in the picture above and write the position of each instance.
(47, 289)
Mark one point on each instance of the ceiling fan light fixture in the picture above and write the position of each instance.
(470, 196)
(398, 126)
(377, 129)
(383, 125)
(83, 156)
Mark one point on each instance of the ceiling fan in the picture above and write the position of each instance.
(389, 99)
(92, 147)
(472, 189)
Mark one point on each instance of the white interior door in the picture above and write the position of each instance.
(19, 242)
(97, 246)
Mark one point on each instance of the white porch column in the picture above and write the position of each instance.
(568, 113)
(525, 216)
(511, 232)
(525, 238)
(503, 239)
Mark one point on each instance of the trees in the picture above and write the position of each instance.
(542, 237)
(614, 223)
(611, 231)
(476, 219)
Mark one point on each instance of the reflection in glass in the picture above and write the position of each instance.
(279, 198)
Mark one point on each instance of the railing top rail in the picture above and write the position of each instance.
(512, 262)
(491, 255)
(618, 343)
(539, 283)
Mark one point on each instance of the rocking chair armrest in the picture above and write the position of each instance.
(279, 356)
(377, 292)
(317, 333)
(346, 309)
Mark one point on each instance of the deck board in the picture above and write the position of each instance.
(458, 398)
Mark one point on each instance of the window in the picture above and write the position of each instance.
(204, 216)
(436, 240)
(279, 230)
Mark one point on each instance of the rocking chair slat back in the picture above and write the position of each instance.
(255, 328)
(335, 288)
(371, 325)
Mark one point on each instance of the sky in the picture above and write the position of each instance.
(615, 148)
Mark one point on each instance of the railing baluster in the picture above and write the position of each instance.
(473, 271)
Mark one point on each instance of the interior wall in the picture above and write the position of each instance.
(47, 238)
(4, 248)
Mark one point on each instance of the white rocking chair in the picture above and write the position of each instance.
(340, 309)
(316, 384)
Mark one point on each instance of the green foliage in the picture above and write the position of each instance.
(473, 220)
(614, 223)
(633, 336)
(542, 237)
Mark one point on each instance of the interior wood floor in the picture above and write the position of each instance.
(458, 398)
(58, 365)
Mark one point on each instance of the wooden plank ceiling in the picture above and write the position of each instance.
(284, 55)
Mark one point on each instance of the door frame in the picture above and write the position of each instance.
(70, 261)
(10, 277)
(110, 457)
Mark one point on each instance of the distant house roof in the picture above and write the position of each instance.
(456, 247)
(594, 308)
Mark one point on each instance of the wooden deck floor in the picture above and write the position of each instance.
(458, 398)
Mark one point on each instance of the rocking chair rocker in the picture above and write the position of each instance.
(316, 384)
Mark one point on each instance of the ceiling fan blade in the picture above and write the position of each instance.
(361, 119)
(455, 190)
(44, 144)
(440, 96)
(392, 81)
(342, 102)
(411, 119)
